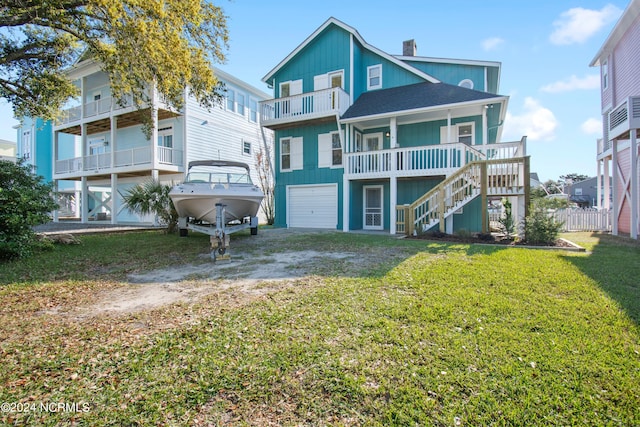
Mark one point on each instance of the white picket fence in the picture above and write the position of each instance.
(588, 219)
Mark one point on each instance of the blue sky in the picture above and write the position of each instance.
(545, 48)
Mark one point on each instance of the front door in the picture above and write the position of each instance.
(373, 208)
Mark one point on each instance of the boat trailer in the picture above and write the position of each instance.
(219, 232)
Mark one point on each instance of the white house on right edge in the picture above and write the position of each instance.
(619, 62)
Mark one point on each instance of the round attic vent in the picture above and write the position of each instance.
(466, 83)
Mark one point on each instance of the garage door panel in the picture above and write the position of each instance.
(313, 206)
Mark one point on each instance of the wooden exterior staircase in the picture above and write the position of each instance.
(480, 178)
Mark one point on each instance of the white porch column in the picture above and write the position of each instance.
(115, 201)
(616, 179)
(84, 200)
(606, 190)
(448, 126)
(393, 143)
(393, 202)
(345, 203)
(634, 184)
(485, 133)
(598, 203)
(55, 191)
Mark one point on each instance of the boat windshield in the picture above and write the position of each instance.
(219, 177)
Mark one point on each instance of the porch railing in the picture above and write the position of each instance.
(411, 161)
(427, 160)
(122, 158)
(493, 177)
(305, 106)
(94, 108)
(623, 117)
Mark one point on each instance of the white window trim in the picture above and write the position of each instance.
(605, 74)
(325, 155)
(252, 99)
(26, 144)
(242, 146)
(233, 100)
(455, 133)
(296, 154)
(379, 135)
(369, 85)
(243, 105)
(166, 131)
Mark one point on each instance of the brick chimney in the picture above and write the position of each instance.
(409, 48)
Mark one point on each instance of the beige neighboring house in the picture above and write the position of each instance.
(7, 150)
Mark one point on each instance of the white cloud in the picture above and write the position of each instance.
(573, 83)
(536, 122)
(576, 25)
(592, 126)
(492, 43)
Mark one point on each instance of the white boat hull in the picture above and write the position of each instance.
(199, 201)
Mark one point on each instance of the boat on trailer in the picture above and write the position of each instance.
(217, 198)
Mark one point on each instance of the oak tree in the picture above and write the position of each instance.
(169, 43)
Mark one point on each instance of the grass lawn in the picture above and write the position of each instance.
(432, 334)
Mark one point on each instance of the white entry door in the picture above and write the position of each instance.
(373, 219)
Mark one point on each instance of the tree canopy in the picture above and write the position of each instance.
(172, 43)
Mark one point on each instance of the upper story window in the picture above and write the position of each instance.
(466, 83)
(605, 75)
(165, 137)
(231, 100)
(253, 110)
(26, 144)
(374, 77)
(290, 88)
(98, 146)
(241, 104)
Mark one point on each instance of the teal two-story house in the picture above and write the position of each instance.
(369, 140)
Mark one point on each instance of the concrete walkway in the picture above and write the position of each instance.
(68, 227)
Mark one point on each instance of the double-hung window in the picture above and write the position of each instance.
(290, 154)
(231, 100)
(374, 77)
(329, 150)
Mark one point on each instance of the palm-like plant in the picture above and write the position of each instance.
(152, 197)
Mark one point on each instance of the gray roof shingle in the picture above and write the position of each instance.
(411, 97)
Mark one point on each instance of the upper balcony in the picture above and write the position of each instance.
(97, 113)
(133, 161)
(427, 160)
(623, 118)
(294, 110)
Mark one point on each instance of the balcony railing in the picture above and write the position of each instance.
(624, 117)
(429, 160)
(122, 159)
(94, 108)
(305, 106)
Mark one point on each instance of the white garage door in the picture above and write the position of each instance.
(313, 206)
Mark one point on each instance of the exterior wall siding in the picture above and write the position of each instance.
(626, 62)
(310, 173)
(330, 52)
(624, 215)
(453, 73)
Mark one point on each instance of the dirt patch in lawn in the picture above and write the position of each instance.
(188, 283)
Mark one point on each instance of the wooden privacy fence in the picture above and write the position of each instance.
(589, 219)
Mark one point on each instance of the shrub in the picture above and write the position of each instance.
(25, 200)
(152, 197)
(540, 228)
(506, 221)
